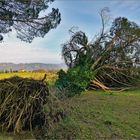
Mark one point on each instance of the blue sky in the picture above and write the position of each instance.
(81, 13)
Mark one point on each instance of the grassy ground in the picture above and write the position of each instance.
(101, 115)
(94, 114)
(23, 136)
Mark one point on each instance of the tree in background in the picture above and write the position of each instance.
(107, 61)
(24, 16)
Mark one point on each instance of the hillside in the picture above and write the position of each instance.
(31, 66)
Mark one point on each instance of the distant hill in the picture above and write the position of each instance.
(31, 66)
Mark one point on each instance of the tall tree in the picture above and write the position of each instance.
(26, 17)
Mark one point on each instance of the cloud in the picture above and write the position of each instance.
(81, 13)
(19, 52)
(129, 8)
(42, 50)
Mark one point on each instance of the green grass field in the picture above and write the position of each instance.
(93, 115)
(101, 115)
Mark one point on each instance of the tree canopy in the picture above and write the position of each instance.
(24, 16)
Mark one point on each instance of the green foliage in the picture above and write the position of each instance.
(66, 85)
(74, 80)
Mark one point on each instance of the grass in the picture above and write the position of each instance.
(101, 115)
(93, 115)
(2, 137)
(23, 136)
(51, 76)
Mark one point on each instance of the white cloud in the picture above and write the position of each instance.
(16, 51)
(20, 52)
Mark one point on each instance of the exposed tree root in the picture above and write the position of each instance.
(26, 104)
(96, 84)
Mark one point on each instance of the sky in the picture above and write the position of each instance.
(83, 14)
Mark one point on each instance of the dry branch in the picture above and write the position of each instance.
(22, 104)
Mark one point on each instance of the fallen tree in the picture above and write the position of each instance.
(110, 60)
(26, 104)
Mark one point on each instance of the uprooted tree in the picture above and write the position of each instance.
(27, 104)
(112, 59)
(27, 19)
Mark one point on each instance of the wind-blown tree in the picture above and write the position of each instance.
(109, 60)
(24, 16)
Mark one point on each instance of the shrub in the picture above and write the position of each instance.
(74, 81)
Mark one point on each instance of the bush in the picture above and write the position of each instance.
(74, 81)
